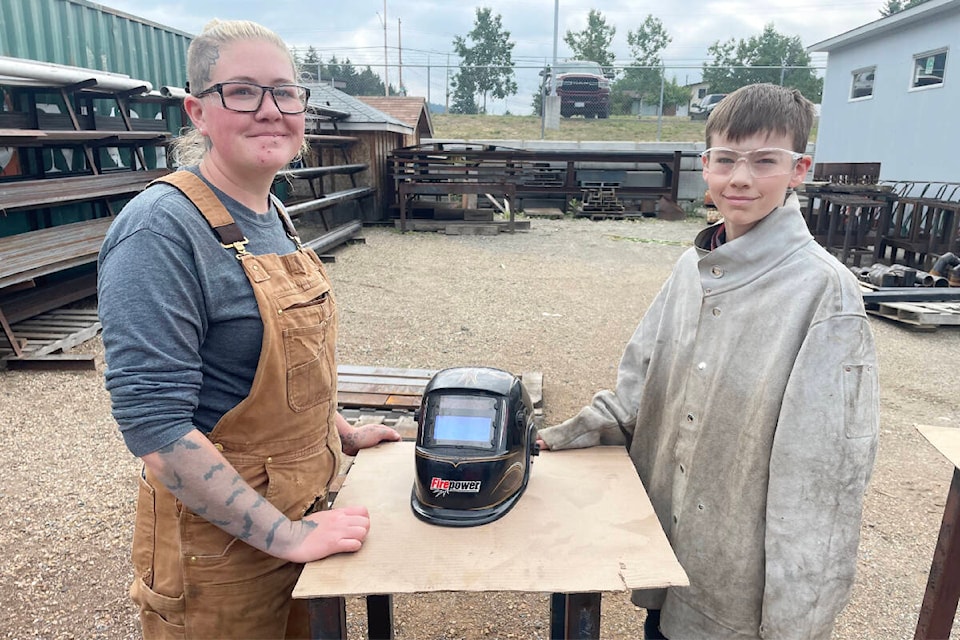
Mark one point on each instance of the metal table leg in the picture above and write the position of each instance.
(943, 586)
(574, 616)
(328, 618)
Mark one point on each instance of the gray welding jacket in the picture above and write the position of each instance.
(748, 400)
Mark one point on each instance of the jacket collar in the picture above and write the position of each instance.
(753, 254)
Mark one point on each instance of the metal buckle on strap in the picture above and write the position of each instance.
(239, 246)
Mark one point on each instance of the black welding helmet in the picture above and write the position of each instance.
(475, 437)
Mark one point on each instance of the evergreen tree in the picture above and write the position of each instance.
(312, 66)
(896, 6)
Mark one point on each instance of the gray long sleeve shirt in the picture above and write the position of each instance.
(181, 327)
(749, 399)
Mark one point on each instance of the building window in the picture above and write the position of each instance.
(928, 69)
(862, 85)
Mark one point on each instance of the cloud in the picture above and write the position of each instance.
(355, 29)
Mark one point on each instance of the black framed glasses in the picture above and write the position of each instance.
(247, 97)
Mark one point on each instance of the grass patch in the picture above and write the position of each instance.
(614, 128)
(669, 243)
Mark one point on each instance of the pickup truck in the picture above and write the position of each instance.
(583, 89)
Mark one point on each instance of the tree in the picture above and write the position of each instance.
(311, 63)
(770, 57)
(542, 90)
(896, 6)
(641, 80)
(593, 42)
(486, 65)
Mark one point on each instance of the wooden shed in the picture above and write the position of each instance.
(369, 135)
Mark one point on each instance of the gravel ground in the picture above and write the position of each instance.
(562, 299)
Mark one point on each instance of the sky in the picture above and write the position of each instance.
(419, 33)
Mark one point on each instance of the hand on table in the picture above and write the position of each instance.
(364, 436)
(326, 533)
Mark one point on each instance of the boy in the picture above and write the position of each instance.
(748, 397)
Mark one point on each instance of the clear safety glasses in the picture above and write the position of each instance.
(762, 163)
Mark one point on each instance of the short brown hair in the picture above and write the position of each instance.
(762, 108)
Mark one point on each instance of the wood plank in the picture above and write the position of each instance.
(57, 361)
(389, 371)
(49, 192)
(29, 255)
(32, 302)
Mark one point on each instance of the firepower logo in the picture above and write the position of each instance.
(441, 487)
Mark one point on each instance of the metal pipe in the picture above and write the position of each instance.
(63, 75)
(173, 92)
(335, 238)
(944, 263)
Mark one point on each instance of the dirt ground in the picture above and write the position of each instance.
(561, 299)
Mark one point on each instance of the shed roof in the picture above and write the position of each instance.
(919, 13)
(411, 110)
(362, 116)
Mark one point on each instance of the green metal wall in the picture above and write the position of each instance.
(85, 34)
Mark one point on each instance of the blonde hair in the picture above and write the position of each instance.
(762, 108)
(202, 56)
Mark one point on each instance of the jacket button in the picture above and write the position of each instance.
(218, 446)
(717, 271)
(690, 417)
(701, 366)
(716, 311)
(269, 460)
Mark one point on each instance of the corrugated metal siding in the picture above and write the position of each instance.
(84, 34)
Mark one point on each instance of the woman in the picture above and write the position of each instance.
(220, 333)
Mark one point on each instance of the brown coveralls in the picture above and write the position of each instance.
(192, 579)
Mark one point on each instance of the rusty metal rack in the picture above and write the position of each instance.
(531, 173)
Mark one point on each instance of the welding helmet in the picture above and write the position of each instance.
(475, 439)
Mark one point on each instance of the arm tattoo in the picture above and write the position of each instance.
(176, 486)
(233, 496)
(276, 525)
(348, 441)
(213, 470)
(182, 442)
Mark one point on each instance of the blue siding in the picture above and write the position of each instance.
(913, 133)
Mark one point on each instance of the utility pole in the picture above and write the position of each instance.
(553, 70)
(428, 82)
(446, 106)
(386, 69)
(400, 59)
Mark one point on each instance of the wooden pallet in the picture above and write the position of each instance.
(919, 315)
(391, 392)
(48, 338)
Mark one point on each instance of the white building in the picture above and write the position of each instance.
(891, 94)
